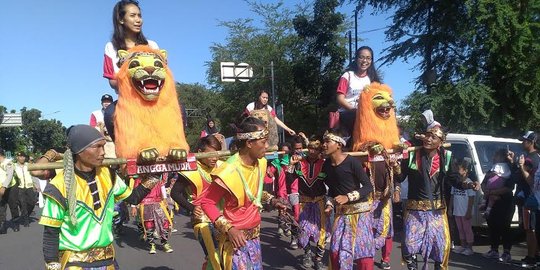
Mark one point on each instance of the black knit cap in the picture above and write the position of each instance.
(81, 137)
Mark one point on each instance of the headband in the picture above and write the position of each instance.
(334, 138)
(314, 144)
(437, 131)
(255, 135)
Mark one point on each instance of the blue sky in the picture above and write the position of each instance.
(53, 53)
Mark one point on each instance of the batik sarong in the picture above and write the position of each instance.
(159, 214)
(312, 224)
(382, 222)
(352, 239)
(247, 257)
(427, 233)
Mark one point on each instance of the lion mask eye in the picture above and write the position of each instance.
(158, 63)
(134, 64)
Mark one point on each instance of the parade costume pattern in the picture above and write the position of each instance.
(202, 226)
(94, 229)
(425, 221)
(240, 186)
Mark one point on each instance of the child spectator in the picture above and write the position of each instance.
(461, 204)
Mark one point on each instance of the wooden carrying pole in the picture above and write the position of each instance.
(121, 161)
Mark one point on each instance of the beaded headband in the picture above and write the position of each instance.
(255, 135)
(437, 131)
(334, 138)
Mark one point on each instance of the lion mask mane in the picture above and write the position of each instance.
(375, 117)
(147, 113)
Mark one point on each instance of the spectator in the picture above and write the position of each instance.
(524, 171)
(27, 195)
(500, 216)
(461, 204)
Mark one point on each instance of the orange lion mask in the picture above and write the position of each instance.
(147, 113)
(375, 118)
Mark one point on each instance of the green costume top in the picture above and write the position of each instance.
(94, 227)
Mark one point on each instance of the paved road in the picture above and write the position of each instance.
(22, 251)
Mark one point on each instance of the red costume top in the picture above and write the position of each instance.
(240, 186)
(155, 195)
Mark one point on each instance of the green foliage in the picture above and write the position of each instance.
(489, 46)
(196, 96)
(307, 53)
(35, 135)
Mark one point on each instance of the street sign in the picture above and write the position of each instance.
(10, 120)
(230, 72)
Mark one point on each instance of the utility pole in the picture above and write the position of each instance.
(273, 86)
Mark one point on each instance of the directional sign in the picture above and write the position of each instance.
(243, 72)
(10, 120)
(230, 72)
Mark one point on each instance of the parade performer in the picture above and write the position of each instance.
(350, 191)
(288, 190)
(239, 183)
(155, 217)
(375, 130)
(79, 205)
(147, 121)
(312, 220)
(274, 183)
(188, 190)
(425, 221)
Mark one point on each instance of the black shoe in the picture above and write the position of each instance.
(26, 222)
(307, 262)
(411, 262)
(528, 262)
(16, 227)
(384, 265)
(3, 228)
(319, 265)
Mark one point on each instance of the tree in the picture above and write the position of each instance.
(495, 48)
(452, 105)
(508, 45)
(42, 134)
(196, 96)
(307, 55)
(321, 56)
(10, 137)
(275, 42)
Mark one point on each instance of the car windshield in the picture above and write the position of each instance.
(485, 151)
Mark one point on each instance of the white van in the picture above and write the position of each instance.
(480, 149)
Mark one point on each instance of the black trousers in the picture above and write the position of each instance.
(10, 199)
(346, 121)
(27, 201)
(499, 222)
